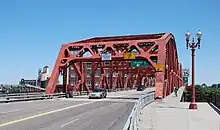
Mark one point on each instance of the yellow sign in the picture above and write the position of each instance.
(129, 55)
(159, 67)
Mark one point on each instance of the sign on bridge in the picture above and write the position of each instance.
(129, 55)
(139, 63)
(185, 72)
(185, 80)
(159, 67)
(106, 56)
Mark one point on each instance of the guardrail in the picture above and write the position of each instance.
(215, 99)
(29, 97)
(134, 117)
(2, 95)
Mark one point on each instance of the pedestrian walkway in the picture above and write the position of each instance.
(171, 114)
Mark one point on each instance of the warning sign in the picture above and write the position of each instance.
(159, 67)
(129, 55)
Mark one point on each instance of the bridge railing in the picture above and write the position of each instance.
(28, 97)
(134, 117)
(215, 99)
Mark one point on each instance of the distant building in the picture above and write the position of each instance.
(45, 76)
(31, 82)
(41, 80)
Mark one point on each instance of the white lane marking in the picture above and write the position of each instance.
(43, 114)
(69, 122)
(114, 121)
(80, 115)
(113, 104)
(10, 111)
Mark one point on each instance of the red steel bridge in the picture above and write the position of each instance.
(150, 60)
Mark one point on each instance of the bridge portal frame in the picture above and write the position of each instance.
(154, 48)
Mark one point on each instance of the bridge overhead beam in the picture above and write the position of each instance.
(171, 76)
(89, 70)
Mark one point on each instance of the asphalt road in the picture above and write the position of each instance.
(69, 114)
(61, 114)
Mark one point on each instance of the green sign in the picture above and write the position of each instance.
(185, 80)
(139, 63)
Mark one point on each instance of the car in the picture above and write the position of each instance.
(140, 88)
(98, 93)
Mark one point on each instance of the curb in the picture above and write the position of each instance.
(214, 107)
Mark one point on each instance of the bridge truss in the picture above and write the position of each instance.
(82, 66)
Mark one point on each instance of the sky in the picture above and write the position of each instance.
(32, 31)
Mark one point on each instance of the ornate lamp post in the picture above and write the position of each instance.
(193, 46)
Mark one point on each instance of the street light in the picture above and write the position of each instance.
(193, 46)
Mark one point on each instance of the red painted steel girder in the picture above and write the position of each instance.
(154, 48)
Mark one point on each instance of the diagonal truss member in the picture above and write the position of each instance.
(83, 68)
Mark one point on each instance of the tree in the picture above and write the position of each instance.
(204, 85)
(214, 86)
(219, 86)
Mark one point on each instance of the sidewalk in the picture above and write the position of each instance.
(171, 114)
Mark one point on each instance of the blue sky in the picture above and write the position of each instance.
(32, 31)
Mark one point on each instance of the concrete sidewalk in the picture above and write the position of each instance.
(171, 114)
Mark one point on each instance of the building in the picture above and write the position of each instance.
(31, 82)
(44, 77)
(41, 80)
(73, 78)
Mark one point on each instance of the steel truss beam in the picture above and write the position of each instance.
(117, 73)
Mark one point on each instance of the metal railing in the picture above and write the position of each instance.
(134, 117)
(215, 99)
(28, 97)
(19, 94)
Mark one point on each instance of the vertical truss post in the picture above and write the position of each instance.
(70, 71)
(160, 75)
(81, 77)
(135, 80)
(101, 75)
(148, 81)
(170, 68)
(176, 71)
(127, 80)
(143, 80)
(119, 79)
(93, 74)
(65, 80)
(174, 74)
(151, 82)
(181, 76)
(123, 73)
(110, 76)
(85, 85)
(173, 69)
(118, 86)
(178, 74)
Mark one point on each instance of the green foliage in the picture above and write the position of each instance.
(205, 92)
(204, 89)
